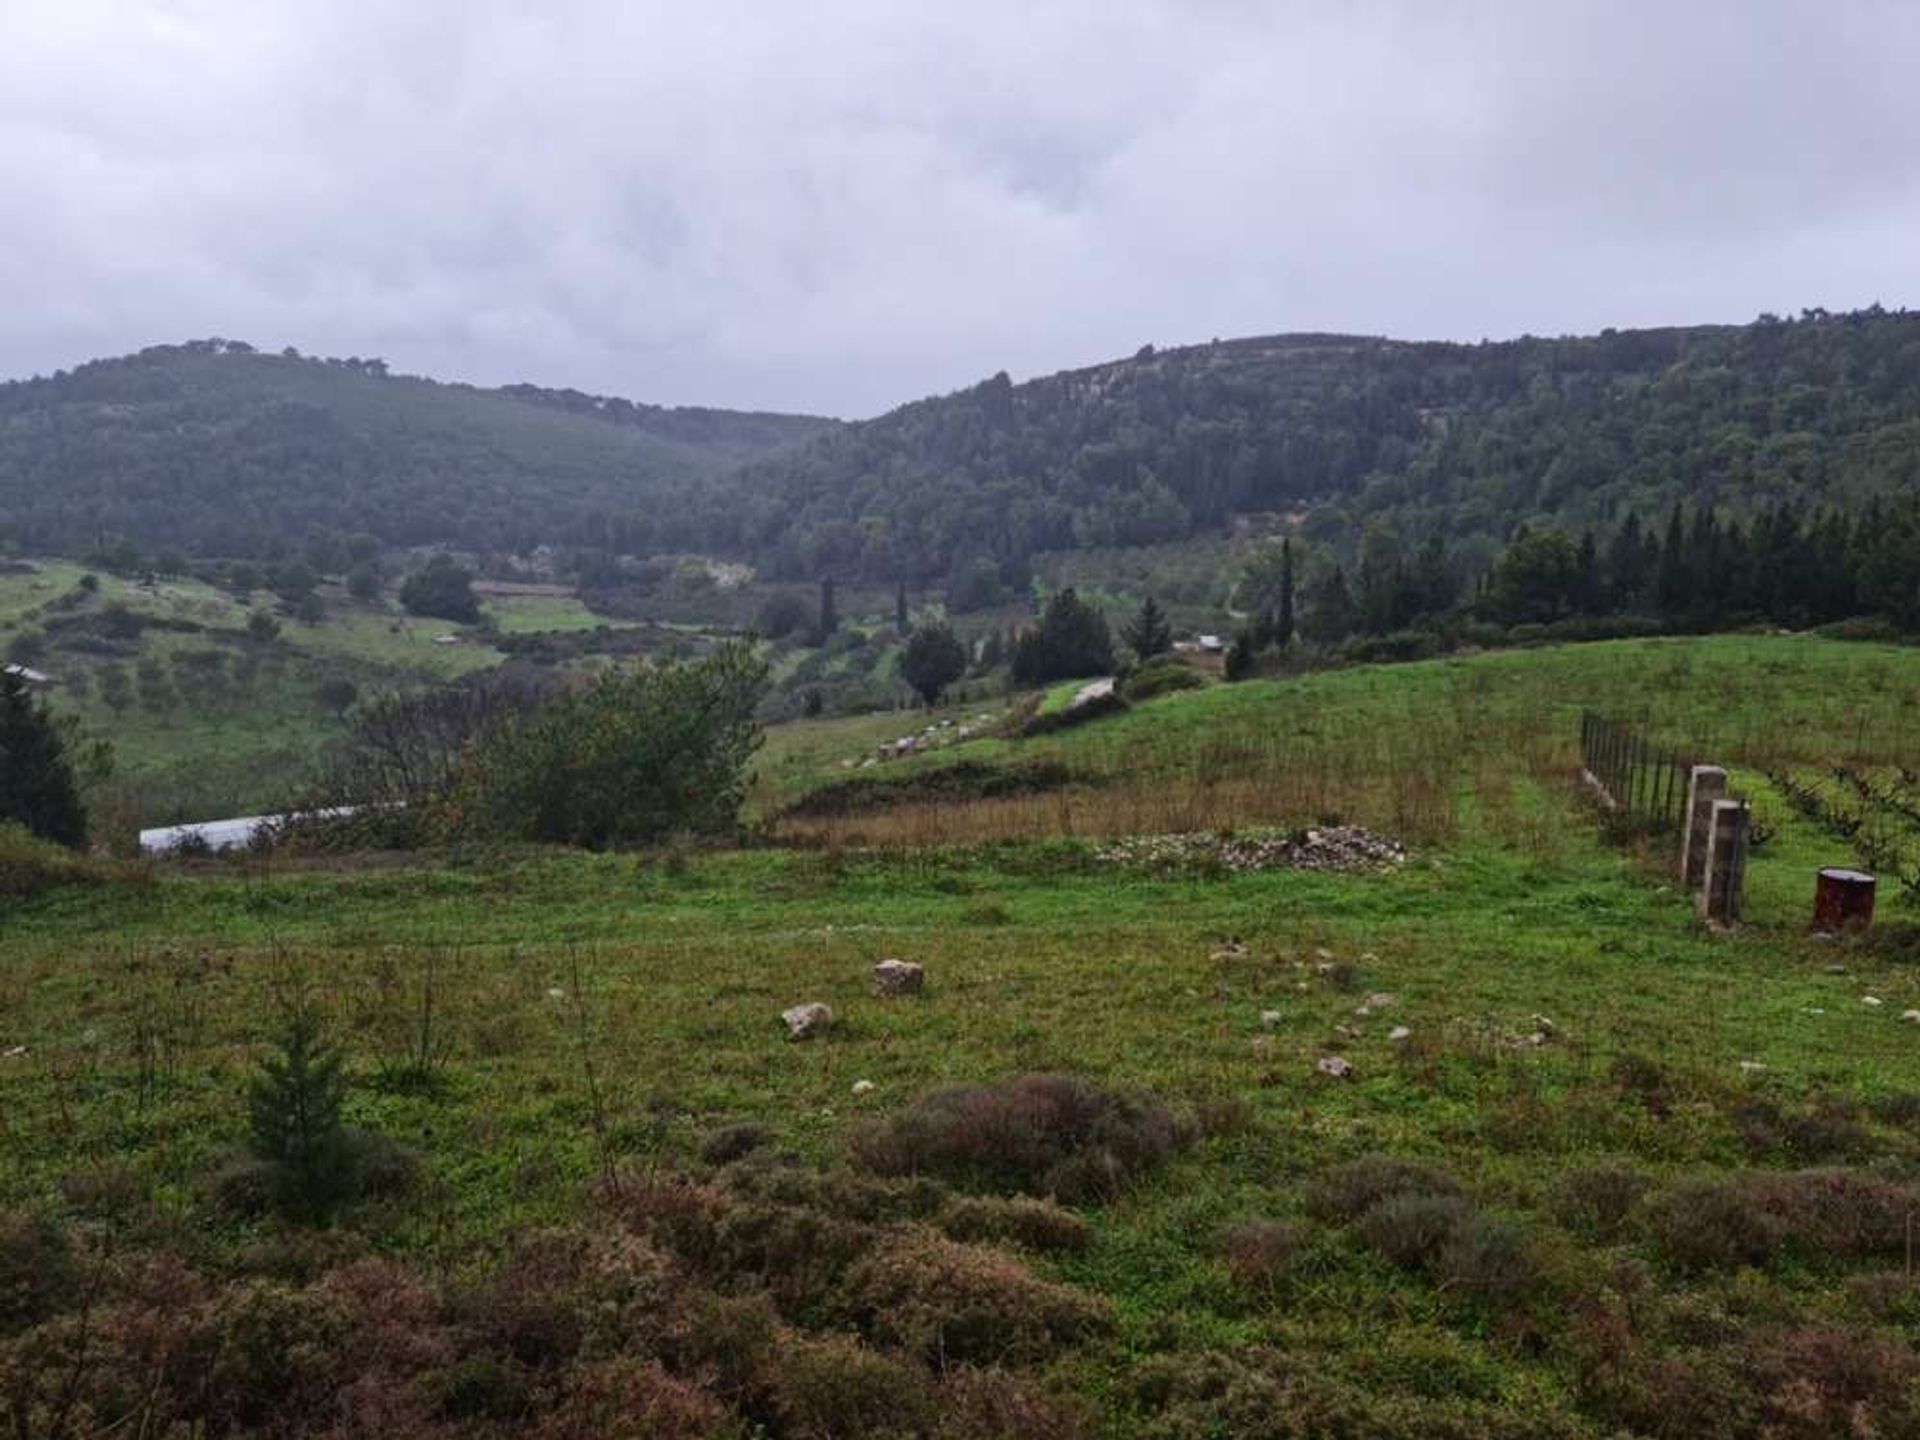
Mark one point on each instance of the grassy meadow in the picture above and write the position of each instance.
(1630, 1114)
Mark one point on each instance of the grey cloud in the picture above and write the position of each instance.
(838, 206)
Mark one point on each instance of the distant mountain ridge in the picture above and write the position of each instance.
(220, 450)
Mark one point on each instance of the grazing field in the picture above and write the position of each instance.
(1644, 1180)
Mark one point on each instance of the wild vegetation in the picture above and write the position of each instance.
(1592, 1171)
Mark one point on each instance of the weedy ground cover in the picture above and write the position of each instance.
(1593, 1170)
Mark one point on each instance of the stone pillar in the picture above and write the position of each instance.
(1705, 785)
(1725, 877)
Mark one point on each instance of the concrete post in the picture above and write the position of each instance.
(1725, 877)
(1705, 785)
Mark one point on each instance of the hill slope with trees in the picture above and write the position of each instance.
(216, 449)
(1462, 441)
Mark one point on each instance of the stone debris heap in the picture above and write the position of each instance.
(1332, 847)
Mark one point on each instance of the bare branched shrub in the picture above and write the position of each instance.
(1056, 1135)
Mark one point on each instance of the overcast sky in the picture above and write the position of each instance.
(837, 206)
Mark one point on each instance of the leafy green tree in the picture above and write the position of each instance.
(783, 613)
(1148, 634)
(293, 1113)
(336, 694)
(631, 756)
(1536, 579)
(363, 581)
(932, 659)
(262, 627)
(1071, 640)
(1240, 657)
(1330, 611)
(39, 767)
(443, 588)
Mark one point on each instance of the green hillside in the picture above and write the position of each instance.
(1453, 440)
(215, 449)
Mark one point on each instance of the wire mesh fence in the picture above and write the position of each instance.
(1645, 782)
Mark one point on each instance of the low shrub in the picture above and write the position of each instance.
(1596, 1202)
(1638, 1078)
(836, 1389)
(31, 866)
(1056, 1135)
(1487, 1258)
(1032, 1224)
(38, 1272)
(1259, 1253)
(991, 1404)
(1411, 1229)
(1827, 1129)
(1161, 677)
(733, 1142)
(1748, 1219)
(1347, 1192)
(948, 1303)
(629, 1399)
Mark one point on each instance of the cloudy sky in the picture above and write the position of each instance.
(837, 206)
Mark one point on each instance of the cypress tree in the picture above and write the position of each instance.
(38, 786)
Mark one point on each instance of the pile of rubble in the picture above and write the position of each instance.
(1333, 847)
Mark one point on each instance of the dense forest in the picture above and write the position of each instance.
(1463, 442)
(218, 450)
(213, 448)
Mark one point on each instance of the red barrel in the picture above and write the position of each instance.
(1842, 899)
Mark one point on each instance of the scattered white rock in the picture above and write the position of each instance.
(1269, 1019)
(556, 993)
(1336, 1066)
(1751, 1067)
(808, 1020)
(1324, 955)
(1229, 950)
(14, 1054)
(1347, 1032)
(1380, 1000)
(1910, 1017)
(1339, 848)
(1399, 1033)
(898, 977)
(863, 1087)
(1836, 969)
(1871, 1000)
(1542, 1023)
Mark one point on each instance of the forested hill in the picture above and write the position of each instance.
(1466, 441)
(216, 449)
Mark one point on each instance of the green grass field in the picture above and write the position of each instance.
(132, 1012)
